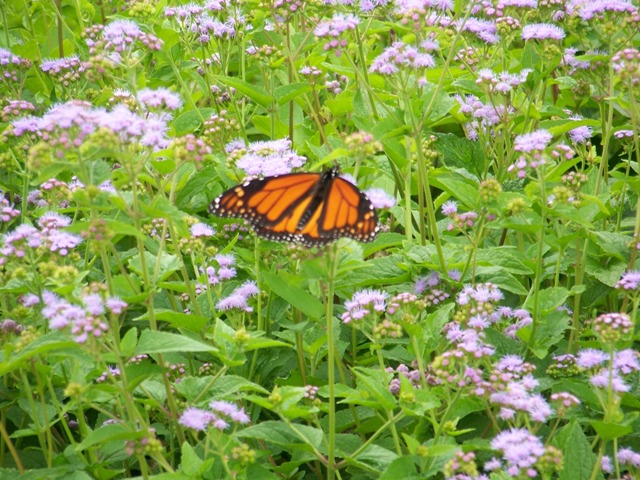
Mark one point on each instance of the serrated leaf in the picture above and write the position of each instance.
(549, 299)
(613, 243)
(578, 457)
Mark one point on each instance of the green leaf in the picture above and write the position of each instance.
(265, 124)
(503, 279)
(152, 341)
(67, 472)
(549, 299)
(607, 271)
(507, 258)
(128, 342)
(105, 434)
(457, 186)
(403, 468)
(223, 387)
(254, 92)
(191, 120)
(297, 297)
(376, 385)
(550, 331)
(257, 342)
(255, 471)
(164, 267)
(610, 431)
(278, 433)
(189, 321)
(613, 244)
(190, 463)
(579, 459)
(286, 93)
(48, 343)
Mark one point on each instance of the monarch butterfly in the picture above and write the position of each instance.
(308, 208)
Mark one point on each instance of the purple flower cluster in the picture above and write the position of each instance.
(363, 303)
(200, 21)
(513, 390)
(220, 416)
(627, 456)
(198, 230)
(239, 297)
(11, 66)
(379, 198)
(66, 126)
(626, 64)
(515, 319)
(503, 82)
(620, 134)
(520, 450)
(607, 370)
(65, 70)
(532, 147)
(542, 31)
(418, 14)
(612, 327)
(14, 109)
(25, 238)
(411, 374)
(400, 56)
(265, 158)
(111, 373)
(160, 98)
(7, 212)
(629, 281)
(485, 30)
(225, 271)
(86, 320)
(484, 116)
(119, 39)
(460, 221)
(334, 29)
(569, 60)
(596, 9)
(428, 288)
(9, 326)
(497, 8)
(580, 134)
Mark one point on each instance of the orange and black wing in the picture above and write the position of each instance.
(344, 211)
(273, 205)
(309, 208)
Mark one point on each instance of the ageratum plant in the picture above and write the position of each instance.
(489, 330)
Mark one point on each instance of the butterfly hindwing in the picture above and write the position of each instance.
(309, 208)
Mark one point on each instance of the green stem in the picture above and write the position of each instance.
(539, 260)
(331, 360)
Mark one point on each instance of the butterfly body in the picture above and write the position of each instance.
(308, 208)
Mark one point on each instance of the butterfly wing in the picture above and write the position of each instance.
(309, 208)
(273, 205)
(344, 212)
